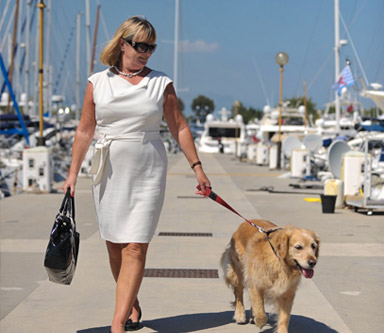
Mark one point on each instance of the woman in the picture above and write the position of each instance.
(126, 103)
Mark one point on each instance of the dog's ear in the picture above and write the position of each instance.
(280, 242)
(317, 240)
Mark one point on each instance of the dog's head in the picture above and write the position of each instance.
(299, 248)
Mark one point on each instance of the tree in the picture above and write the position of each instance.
(202, 106)
(248, 114)
(295, 102)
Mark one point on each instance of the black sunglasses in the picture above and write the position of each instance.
(142, 47)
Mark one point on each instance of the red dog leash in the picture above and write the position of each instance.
(212, 195)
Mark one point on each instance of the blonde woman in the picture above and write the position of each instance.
(125, 103)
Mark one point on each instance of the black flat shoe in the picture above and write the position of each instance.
(133, 326)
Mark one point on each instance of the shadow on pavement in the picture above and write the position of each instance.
(302, 324)
(190, 323)
(203, 321)
(103, 329)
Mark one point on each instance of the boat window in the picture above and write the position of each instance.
(31, 162)
(41, 171)
(293, 121)
(218, 132)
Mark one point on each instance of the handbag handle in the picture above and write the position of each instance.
(68, 204)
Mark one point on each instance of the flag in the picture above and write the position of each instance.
(345, 80)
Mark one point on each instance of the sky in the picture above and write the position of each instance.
(228, 47)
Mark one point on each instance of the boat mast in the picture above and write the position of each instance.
(78, 24)
(36, 72)
(94, 40)
(41, 6)
(48, 66)
(27, 56)
(305, 104)
(88, 34)
(10, 73)
(337, 64)
(176, 49)
(18, 55)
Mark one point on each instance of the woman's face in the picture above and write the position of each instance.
(133, 57)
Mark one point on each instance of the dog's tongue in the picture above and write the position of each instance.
(308, 273)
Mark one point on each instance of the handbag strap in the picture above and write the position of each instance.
(68, 204)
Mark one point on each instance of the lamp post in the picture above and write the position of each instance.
(281, 59)
(237, 105)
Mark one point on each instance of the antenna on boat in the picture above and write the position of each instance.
(335, 154)
(290, 143)
(261, 81)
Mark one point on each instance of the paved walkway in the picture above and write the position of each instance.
(345, 295)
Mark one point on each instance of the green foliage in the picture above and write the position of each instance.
(202, 106)
(372, 112)
(295, 102)
(248, 114)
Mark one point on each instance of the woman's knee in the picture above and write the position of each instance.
(135, 251)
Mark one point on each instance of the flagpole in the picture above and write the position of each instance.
(337, 64)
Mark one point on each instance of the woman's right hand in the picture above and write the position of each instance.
(70, 182)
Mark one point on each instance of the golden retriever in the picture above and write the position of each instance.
(270, 269)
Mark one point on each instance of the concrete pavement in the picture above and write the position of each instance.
(344, 296)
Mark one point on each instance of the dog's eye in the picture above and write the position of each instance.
(314, 246)
(298, 247)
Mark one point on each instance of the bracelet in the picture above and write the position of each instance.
(196, 163)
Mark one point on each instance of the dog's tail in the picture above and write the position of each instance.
(227, 264)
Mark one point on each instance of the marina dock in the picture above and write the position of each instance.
(184, 290)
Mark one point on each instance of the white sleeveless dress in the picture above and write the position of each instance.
(130, 163)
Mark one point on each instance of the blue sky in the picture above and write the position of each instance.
(228, 47)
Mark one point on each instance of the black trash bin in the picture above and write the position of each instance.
(328, 203)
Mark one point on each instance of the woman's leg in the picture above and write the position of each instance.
(114, 252)
(127, 264)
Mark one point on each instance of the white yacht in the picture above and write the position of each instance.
(222, 135)
(292, 122)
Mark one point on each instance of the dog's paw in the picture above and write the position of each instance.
(260, 320)
(240, 317)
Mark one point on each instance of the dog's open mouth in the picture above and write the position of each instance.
(308, 273)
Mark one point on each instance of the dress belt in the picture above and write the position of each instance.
(102, 150)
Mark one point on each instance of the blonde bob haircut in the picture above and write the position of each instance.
(135, 28)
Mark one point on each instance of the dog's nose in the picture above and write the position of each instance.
(312, 262)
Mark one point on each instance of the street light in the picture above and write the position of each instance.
(281, 59)
(237, 105)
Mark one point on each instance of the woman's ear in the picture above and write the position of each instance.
(121, 44)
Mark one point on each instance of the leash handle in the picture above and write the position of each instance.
(212, 195)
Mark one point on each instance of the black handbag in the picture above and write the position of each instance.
(63, 246)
